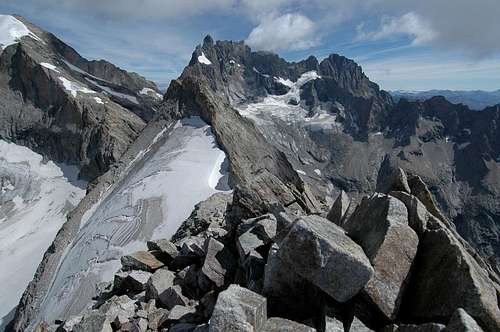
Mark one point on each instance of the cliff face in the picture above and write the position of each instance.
(71, 110)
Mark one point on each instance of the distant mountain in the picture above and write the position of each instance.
(476, 99)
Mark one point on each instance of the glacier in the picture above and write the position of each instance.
(154, 195)
(35, 197)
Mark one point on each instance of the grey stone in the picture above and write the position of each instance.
(358, 326)
(166, 249)
(253, 267)
(239, 310)
(183, 314)
(380, 225)
(321, 252)
(136, 281)
(141, 260)
(156, 318)
(159, 282)
(339, 208)
(142, 323)
(260, 233)
(418, 216)
(219, 264)
(391, 177)
(276, 324)
(288, 294)
(94, 321)
(448, 277)
(209, 213)
(118, 305)
(173, 296)
(333, 325)
(461, 321)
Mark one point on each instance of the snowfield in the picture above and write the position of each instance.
(272, 107)
(203, 59)
(11, 30)
(35, 198)
(156, 193)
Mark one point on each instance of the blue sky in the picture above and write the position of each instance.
(409, 45)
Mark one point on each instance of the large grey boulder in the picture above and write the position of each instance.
(288, 294)
(339, 208)
(240, 310)
(380, 225)
(322, 253)
(219, 264)
(461, 321)
(447, 277)
(276, 324)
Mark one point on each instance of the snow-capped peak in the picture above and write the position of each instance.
(11, 30)
(203, 59)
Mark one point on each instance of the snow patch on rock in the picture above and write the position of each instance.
(98, 100)
(150, 92)
(203, 59)
(12, 30)
(49, 66)
(35, 199)
(74, 88)
(112, 92)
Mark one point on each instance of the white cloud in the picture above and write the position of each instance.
(410, 24)
(285, 32)
(144, 9)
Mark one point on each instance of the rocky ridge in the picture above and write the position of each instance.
(241, 275)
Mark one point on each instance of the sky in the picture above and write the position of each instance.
(401, 44)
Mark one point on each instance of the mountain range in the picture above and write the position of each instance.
(475, 99)
(298, 190)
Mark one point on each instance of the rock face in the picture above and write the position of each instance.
(380, 226)
(320, 252)
(52, 104)
(447, 277)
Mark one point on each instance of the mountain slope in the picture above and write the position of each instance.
(295, 135)
(50, 103)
